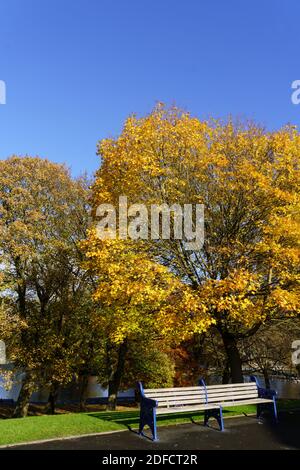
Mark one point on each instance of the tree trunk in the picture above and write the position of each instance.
(52, 399)
(226, 374)
(116, 376)
(51, 402)
(21, 409)
(267, 378)
(233, 356)
(82, 396)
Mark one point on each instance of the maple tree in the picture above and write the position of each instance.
(248, 180)
(139, 301)
(46, 293)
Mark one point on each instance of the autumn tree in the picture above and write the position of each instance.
(43, 217)
(191, 351)
(247, 271)
(140, 302)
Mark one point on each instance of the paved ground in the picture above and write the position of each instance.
(240, 433)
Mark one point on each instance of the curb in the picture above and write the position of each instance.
(64, 438)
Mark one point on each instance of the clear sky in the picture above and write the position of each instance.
(74, 69)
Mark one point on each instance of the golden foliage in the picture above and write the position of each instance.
(248, 181)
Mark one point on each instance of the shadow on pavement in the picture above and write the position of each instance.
(130, 419)
(287, 430)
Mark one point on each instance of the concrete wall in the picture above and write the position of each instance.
(13, 393)
(68, 394)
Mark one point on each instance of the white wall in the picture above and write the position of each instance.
(13, 393)
(94, 389)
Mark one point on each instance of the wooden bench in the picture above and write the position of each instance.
(208, 398)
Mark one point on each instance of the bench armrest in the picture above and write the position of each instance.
(266, 393)
(148, 402)
(263, 392)
(145, 401)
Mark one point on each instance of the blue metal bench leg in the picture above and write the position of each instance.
(153, 426)
(148, 416)
(259, 410)
(265, 393)
(272, 407)
(217, 414)
(275, 410)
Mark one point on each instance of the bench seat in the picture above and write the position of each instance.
(254, 401)
(224, 404)
(185, 408)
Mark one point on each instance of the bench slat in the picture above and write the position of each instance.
(180, 402)
(254, 401)
(186, 409)
(245, 384)
(178, 394)
(233, 394)
(231, 398)
(150, 390)
(182, 397)
(229, 390)
(232, 386)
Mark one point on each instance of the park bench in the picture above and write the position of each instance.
(208, 398)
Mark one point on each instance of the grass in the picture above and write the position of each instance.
(13, 431)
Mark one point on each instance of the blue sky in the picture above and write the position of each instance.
(74, 69)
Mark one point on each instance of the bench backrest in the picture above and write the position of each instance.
(177, 396)
(231, 392)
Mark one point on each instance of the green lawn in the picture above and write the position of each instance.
(33, 428)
